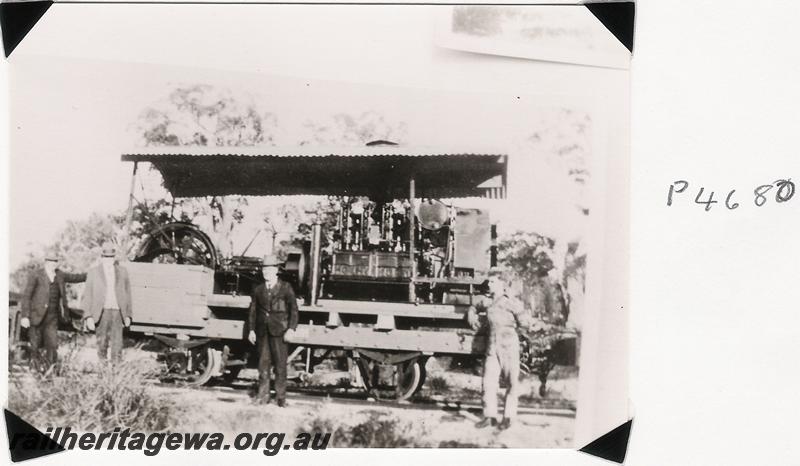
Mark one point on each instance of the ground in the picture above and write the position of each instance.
(443, 415)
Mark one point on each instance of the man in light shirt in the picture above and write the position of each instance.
(107, 303)
(505, 317)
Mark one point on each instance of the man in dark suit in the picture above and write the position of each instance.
(273, 315)
(44, 304)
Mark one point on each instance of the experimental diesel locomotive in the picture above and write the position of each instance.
(385, 283)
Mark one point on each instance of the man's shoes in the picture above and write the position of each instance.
(505, 424)
(281, 403)
(486, 422)
(261, 400)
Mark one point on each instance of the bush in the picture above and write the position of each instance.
(91, 398)
(377, 431)
(380, 431)
(438, 384)
(320, 425)
(457, 444)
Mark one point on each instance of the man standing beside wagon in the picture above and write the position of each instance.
(506, 317)
(44, 304)
(273, 317)
(107, 303)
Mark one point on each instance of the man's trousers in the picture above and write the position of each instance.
(43, 339)
(272, 352)
(109, 334)
(502, 359)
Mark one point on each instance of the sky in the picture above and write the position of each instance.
(74, 102)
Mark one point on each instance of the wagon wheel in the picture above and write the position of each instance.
(410, 378)
(205, 363)
(193, 367)
(178, 243)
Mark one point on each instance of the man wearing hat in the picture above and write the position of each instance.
(273, 314)
(107, 303)
(505, 317)
(44, 303)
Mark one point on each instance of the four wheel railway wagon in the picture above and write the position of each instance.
(387, 285)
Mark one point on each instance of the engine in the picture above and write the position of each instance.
(380, 251)
(391, 251)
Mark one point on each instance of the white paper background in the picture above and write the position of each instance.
(715, 319)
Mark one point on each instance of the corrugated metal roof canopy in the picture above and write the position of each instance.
(377, 171)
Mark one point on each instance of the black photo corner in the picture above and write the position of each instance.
(17, 19)
(25, 441)
(612, 446)
(618, 18)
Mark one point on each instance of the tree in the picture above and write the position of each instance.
(292, 222)
(564, 138)
(353, 130)
(202, 115)
(77, 245)
(289, 225)
(282, 221)
(542, 275)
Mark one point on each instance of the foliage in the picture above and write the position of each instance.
(283, 221)
(565, 138)
(542, 350)
(292, 223)
(526, 255)
(203, 115)
(320, 424)
(575, 265)
(379, 430)
(339, 130)
(542, 274)
(77, 245)
(19, 276)
(149, 215)
(97, 398)
(353, 130)
(438, 384)
(533, 261)
(459, 444)
(342, 130)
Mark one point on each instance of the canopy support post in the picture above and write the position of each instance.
(412, 229)
(129, 214)
(316, 247)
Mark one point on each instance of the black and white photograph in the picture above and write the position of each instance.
(397, 232)
(362, 226)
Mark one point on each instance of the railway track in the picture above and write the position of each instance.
(469, 409)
